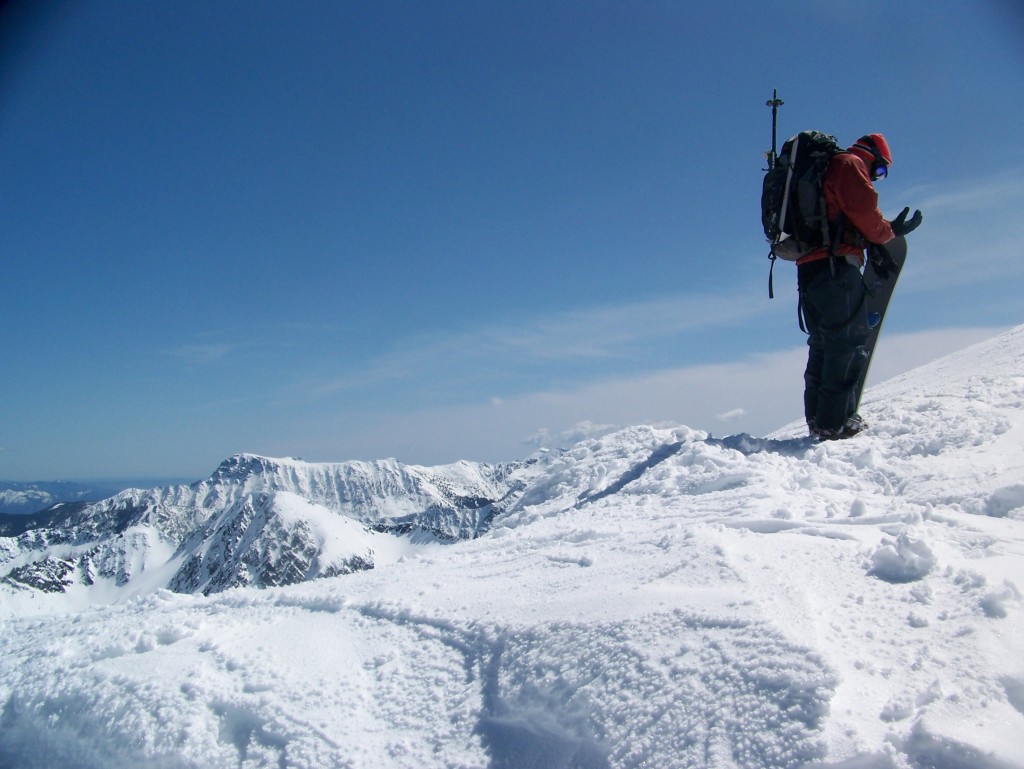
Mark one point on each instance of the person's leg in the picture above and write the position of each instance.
(844, 329)
(812, 373)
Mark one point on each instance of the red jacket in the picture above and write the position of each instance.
(848, 190)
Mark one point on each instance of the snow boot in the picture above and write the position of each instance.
(854, 424)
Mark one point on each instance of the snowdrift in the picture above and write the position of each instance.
(652, 598)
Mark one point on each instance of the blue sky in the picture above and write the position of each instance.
(442, 230)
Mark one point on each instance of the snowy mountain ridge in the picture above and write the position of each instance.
(245, 526)
(651, 597)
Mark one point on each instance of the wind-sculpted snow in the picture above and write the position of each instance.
(651, 598)
(604, 695)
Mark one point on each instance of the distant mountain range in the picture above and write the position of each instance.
(255, 521)
(28, 498)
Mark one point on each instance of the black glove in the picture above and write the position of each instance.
(900, 225)
(883, 264)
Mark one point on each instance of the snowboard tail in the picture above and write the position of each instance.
(879, 293)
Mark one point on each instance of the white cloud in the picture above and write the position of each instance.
(729, 416)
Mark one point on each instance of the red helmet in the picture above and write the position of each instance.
(878, 148)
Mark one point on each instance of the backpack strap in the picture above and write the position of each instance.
(832, 241)
(837, 237)
(789, 178)
(835, 240)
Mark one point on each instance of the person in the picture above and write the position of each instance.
(832, 289)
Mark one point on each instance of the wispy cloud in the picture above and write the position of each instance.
(730, 416)
(260, 337)
(591, 335)
(969, 196)
(971, 233)
(202, 353)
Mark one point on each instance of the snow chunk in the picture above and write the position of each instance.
(994, 603)
(1006, 502)
(906, 559)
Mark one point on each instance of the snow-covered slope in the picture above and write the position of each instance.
(652, 598)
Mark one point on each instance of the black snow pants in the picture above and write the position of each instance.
(837, 324)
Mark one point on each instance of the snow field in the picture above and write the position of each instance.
(657, 598)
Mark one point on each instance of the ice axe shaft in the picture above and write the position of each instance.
(775, 102)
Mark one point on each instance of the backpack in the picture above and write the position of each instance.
(792, 197)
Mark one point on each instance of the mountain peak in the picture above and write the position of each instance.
(244, 465)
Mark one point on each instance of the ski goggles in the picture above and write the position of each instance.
(879, 171)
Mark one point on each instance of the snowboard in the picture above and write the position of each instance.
(879, 292)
